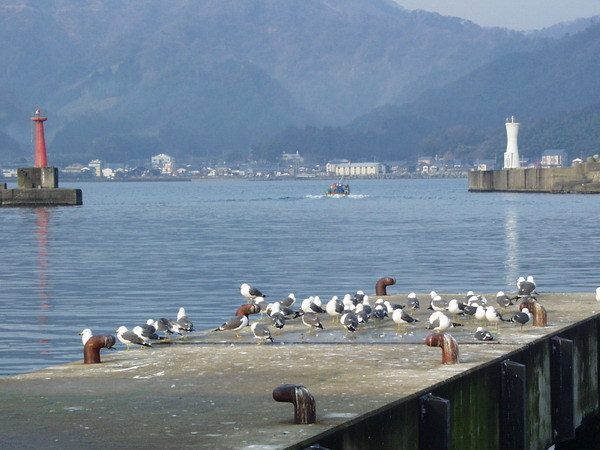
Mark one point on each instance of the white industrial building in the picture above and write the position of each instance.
(357, 169)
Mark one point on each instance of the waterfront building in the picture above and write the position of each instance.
(360, 169)
(96, 166)
(554, 158)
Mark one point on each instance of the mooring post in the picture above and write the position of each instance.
(434, 425)
(538, 313)
(513, 405)
(91, 349)
(382, 284)
(448, 345)
(562, 389)
(304, 402)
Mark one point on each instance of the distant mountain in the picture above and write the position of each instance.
(561, 77)
(124, 80)
(555, 84)
(566, 28)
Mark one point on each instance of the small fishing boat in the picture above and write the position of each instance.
(338, 189)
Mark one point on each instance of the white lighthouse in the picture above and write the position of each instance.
(511, 156)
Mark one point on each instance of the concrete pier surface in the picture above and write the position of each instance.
(213, 390)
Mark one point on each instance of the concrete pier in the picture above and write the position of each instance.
(376, 388)
(582, 178)
(38, 186)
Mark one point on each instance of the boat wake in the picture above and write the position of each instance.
(337, 197)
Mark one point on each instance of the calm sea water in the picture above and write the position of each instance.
(135, 251)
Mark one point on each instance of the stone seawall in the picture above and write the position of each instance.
(579, 179)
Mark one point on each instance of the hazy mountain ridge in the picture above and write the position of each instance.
(209, 77)
(213, 77)
(555, 87)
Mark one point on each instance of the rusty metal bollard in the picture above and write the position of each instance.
(247, 309)
(91, 349)
(538, 313)
(381, 285)
(304, 402)
(448, 345)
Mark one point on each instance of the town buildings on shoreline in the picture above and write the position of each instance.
(289, 165)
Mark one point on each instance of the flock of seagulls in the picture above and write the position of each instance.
(146, 334)
(351, 312)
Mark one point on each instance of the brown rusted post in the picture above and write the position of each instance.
(91, 349)
(304, 402)
(382, 283)
(448, 345)
(538, 313)
(247, 309)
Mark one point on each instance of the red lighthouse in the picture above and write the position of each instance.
(40, 142)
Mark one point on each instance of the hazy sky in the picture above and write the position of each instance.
(515, 14)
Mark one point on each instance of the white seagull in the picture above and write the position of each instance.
(236, 323)
(261, 332)
(334, 307)
(401, 317)
(250, 292)
(183, 321)
(521, 317)
(311, 320)
(349, 320)
(130, 338)
(439, 322)
(413, 301)
(493, 316)
(85, 335)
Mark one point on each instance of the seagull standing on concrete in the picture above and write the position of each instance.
(502, 300)
(334, 307)
(401, 317)
(598, 294)
(311, 320)
(454, 308)
(167, 326)
(348, 302)
(278, 319)
(413, 301)
(521, 317)
(130, 338)
(362, 314)
(250, 292)
(236, 323)
(527, 288)
(349, 320)
(493, 316)
(480, 313)
(146, 334)
(261, 332)
(437, 303)
(439, 322)
(183, 321)
(289, 300)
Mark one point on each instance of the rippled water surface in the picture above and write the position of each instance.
(135, 251)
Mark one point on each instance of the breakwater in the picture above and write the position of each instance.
(376, 388)
(581, 178)
(38, 186)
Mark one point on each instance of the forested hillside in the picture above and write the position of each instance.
(125, 80)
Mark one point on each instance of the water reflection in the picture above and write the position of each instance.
(511, 244)
(42, 235)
